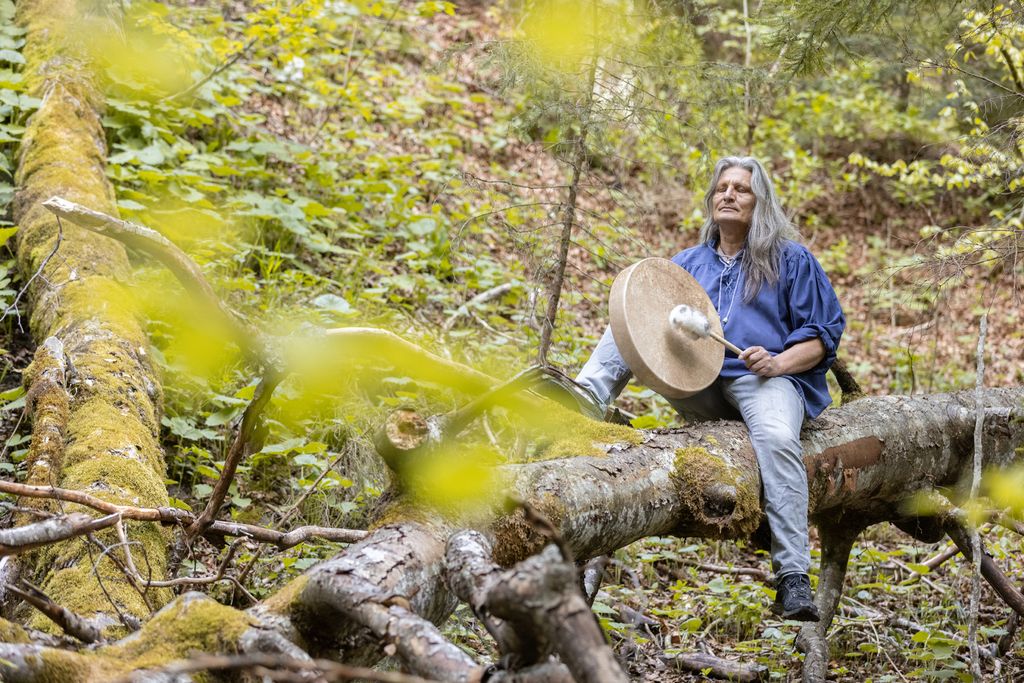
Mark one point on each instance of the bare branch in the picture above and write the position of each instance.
(177, 516)
(23, 538)
(246, 442)
(481, 298)
(220, 68)
(71, 623)
(956, 527)
(759, 574)
(369, 342)
(701, 662)
(166, 252)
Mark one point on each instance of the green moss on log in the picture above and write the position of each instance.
(697, 471)
(78, 584)
(282, 601)
(113, 418)
(570, 434)
(516, 539)
(66, 667)
(190, 624)
(12, 633)
(118, 479)
(49, 405)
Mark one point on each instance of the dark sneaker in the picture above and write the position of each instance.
(793, 598)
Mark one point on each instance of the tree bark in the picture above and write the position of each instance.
(106, 437)
(540, 601)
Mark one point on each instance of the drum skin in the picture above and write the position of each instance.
(662, 358)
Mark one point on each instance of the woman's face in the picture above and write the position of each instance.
(732, 205)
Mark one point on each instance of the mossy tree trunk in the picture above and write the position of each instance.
(110, 396)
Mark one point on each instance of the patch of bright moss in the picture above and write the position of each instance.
(80, 593)
(400, 509)
(103, 428)
(572, 434)
(105, 298)
(281, 602)
(122, 479)
(77, 584)
(65, 667)
(49, 407)
(113, 418)
(695, 470)
(189, 624)
(12, 633)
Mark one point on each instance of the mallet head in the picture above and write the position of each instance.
(690, 320)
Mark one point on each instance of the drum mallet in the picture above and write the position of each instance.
(696, 324)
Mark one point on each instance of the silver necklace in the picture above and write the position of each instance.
(728, 263)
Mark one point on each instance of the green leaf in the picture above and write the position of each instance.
(333, 303)
(186, 429)
(10, 79)
(223, 416)
(151, 156)
(11, 56)
(207, 471)
(180, 504)
(246, 392)
(307, 460)
(306, 562)
(284, 446)
(717, 585)
(17, 440)
(13, 405)
(12, 394)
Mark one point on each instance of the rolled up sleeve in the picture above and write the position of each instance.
(814, 309)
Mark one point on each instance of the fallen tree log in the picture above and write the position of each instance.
(95, 393)
(867, 462)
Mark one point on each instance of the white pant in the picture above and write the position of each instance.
(773, 411)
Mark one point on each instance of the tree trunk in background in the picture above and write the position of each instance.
(110, 393)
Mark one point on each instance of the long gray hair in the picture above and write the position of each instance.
(769, 226)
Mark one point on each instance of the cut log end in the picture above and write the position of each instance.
(404, 432)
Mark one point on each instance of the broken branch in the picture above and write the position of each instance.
(71, 623)
(244, 444)
(24, 538)
(166, 252)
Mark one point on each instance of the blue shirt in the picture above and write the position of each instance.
(801, 306)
